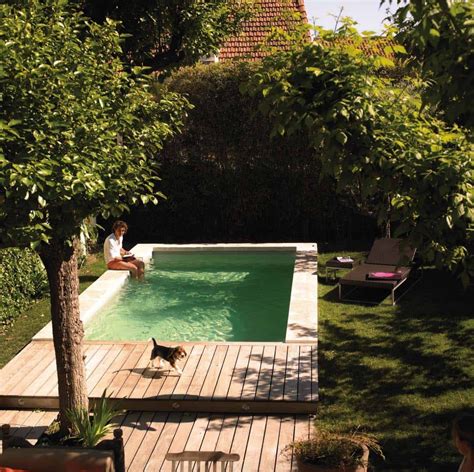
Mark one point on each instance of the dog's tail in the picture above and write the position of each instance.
(154, 341)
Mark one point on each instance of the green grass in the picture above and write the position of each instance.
(400, 372)
(20, 332)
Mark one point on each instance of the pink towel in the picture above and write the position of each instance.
(385, 275)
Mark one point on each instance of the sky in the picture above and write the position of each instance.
(367, 13)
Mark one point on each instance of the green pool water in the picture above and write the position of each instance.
(202, 296)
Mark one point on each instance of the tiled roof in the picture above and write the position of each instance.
(378, 46)
(268, 14)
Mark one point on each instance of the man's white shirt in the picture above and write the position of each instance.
(112, 247)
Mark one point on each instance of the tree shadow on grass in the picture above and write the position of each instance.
(402, 372)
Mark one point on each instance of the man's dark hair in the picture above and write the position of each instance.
(119, 224)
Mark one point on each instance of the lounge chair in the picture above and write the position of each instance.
(387, 267)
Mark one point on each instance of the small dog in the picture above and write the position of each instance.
(170, 354)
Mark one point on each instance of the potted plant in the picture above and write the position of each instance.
(327, 451)
(90, 428)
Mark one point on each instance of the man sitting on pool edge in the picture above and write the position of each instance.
(116, 257)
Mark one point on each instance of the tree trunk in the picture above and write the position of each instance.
(60, 261)
(388, 228)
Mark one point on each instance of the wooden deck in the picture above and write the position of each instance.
(258, 439)
(27, 424)
(250, 378)
(149, 436)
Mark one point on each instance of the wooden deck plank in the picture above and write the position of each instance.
(211, 435)
(29, 429)
(115, 367)
(50, 387)
(135, 374)
(19, 422)
(126, 370)
(157, 457)
(197, 433)
(16, 365)
(301, 432)
(97, 359)
(270, 444)
(253, 372)
(47, 418)
(104, 366)
(148, 444)
(226, 435)
(27, 364)
(180, 438)
(138, 432)
(302, 427)
(130, 421)
(291, 376)
(287, 434)
(304, 374)
(27, 423)
(241, 436)
(279, 371)
(239, 373)
(7, 415)
(266, 373)
(47, 369)
(213, 373)
(227, 371)
(182, 433)
(200, 374)
(314, 374)
(172, 379)
(255, 443)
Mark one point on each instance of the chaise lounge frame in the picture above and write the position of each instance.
(386, 255)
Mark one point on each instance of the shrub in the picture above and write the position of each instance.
(338, 451)
(22, 279)
(226, 179)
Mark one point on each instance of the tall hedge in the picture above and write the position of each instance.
(226, 180)
(22, 279)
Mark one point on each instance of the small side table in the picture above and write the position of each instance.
(333, 265)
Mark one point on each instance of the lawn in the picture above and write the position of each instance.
(18, 334)
(401, 372)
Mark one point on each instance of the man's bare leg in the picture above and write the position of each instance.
(140, 265)
(122, 265)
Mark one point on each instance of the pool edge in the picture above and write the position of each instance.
(302, 325)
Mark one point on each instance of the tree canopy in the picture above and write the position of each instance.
(78, 132)
(167, 33)
(440, 34)
(78, 136)
(372, 134)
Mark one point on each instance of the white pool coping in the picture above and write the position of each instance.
(302, 323)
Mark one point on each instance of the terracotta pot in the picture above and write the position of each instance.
(305, 467)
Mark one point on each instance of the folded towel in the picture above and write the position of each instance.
(384, 276)
(344, 259)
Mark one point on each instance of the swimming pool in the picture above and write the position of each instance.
(298, 323)
(202, 296)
